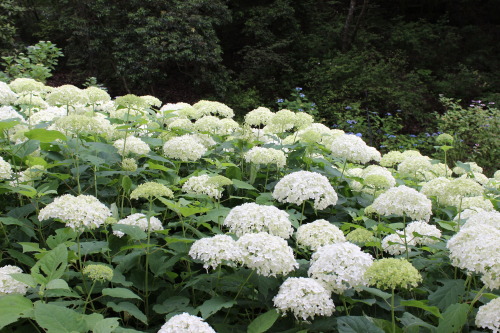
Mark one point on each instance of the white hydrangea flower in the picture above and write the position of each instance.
(374, 176)
(5, 169)
(31, 100)
(140, 220)
(171, 111)
(315, 132)
(186, 323)
(415, 167)
(202, 185)
(83, 211)
(395, 243)
(7, 96)
(208, 124)
(281, 121)
(66, 95)
(304, 297)
(96, 95)
(259, 116)
(476, 176)
(473, 167)
(80, 124)
(319, 233)
(7, 284)
(303, 120)
(131, 145)
(252, 218)
(260, 155)
(340, 266)
(214, 108)
(181, 123)
(477, 249)
(459, 188)
(477, 218)
(268, 255)
(391, 159)
(353, 148)
(488, 315)
(25, 85)
(434, 187)
(425, 230)
(478, 202)
(184, 148)
(402, 200)
(299, 186)
(151, 100)
(8, 112)
(216, 250)
(49, 115)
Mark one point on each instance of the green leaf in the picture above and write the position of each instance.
(44, 135)
(25, 278)
(53, 263)
(57, 284)
(214, 304)
(4, 125)
(13, 307)
(130, 308)
(172, 304)
(120, 293)
(421, 305)
(377, 292)
(133, 231)
(357, 324)
(454, 318)
(126, 183)
(465, 166)
(107, 325)
(241, 184)
(87, 248)
(191, 210)
(449, 293)
(410, 322)
(263, 322)
(58, 319)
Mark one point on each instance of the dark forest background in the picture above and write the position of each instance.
(380, 55)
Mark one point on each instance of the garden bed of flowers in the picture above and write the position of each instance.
(126, 215)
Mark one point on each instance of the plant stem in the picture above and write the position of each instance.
(392, 312)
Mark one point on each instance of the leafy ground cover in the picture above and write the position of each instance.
(126, 215)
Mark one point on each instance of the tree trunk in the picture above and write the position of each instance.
(347, 27)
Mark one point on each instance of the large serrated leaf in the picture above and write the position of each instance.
(13, 307)
(454, 318)
(44, 135)
(58, 319)
(130, 308)
(120, 293)
(357, 324)
(449, 293)
(421, 305)
(53, 264)
(214, 304)
(263, 322)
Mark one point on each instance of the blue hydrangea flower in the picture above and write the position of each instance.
(298, 89)
(280, 100)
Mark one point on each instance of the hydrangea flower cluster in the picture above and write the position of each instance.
(96, 95)
(131, 145)
(29, 175)
(66, 95)
(181, 123)
(140, 220)
(80, 124)
(214, 108)
(184, 148)
(202, 185)
(5, 169)
(299, 186)
(252, 218)
(353, 149)
(319, 233)
(304, 297)
(473, 167)
(259, 155)
(49, 115)
(216, 250)
(258, 117)
(7, 96)
(488, 315)
(434, 187)
(457, 189)
(281, 121)
(402, 200)
(391, 159)
(360, 236)
(79, 213)
(186, 323)
(392, 273)
(27, 86)
(8, 112)
(268, 255)
(340, 266)
(98, 273)
(415, 167)
(149, 190)
(9, 285)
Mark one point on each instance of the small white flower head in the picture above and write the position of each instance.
(458, 189)
(7, 284)
(129, 164)
(299, 186)
(303, 120)
(27, 86)
(266, 156)
(422, 233)
(304, 297)
(171, 111)
(31, 100)
(353, 149)
(48, 115)
(76, 124)
(268, 255)
(402, 200)
(319, 233)
(202, 185)
(253, 218)
(96, 95)
(377, 177)
(477, 249)
(150, 190)
(98, 272)
(181, 123)
(216, 250)
(488, 315)
(79, 213)
(214, 109)
(393, 273)
(394, 244)
(151, 100)
(340, 266)
(415, 167)
(491, 218)
(8, 112)
(184, 148)
(478, 202)
(477, 177)
(473, 167)
(140, 220)
(258, 117)
(391, 159)
(67, 95)
(281, 121)
(315, 132)
(186, 323)
(434, 187)
(5, 169)
(360, 236)
(131, 145)
(7, 96)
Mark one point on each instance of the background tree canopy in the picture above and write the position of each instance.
(382, 54)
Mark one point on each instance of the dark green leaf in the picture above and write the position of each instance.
(263, 322)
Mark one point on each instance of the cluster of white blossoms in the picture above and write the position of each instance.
(268, 255)
(488, 315)
(391, 159)
(315, 132)
(434, 187)
(202, 185)
(478, 202)
(260, 155)
(48, 115)
(258, 117)
(214, 108)
(252, 218)
(299, 186)
(181, 123)
(216, 250)
(8, 112)
(140, 220)
(415, 167)
(319, 233)
(353, 149)
(185, 323)
(394, 243)
(402, 200)
(66, 95)
(7, 96)
(476, 247)
(5, 169)
(79, 213)
(184, 148)
(172, 111)
(29, 175)
(374, 177)
(214, 125)
(304, 297)
(281, 121)
(131, 145)
(8, 285)
(96, 95)
(340, 266)
(417, 233)
(458, 188)
(473, 167)
(80, 124)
